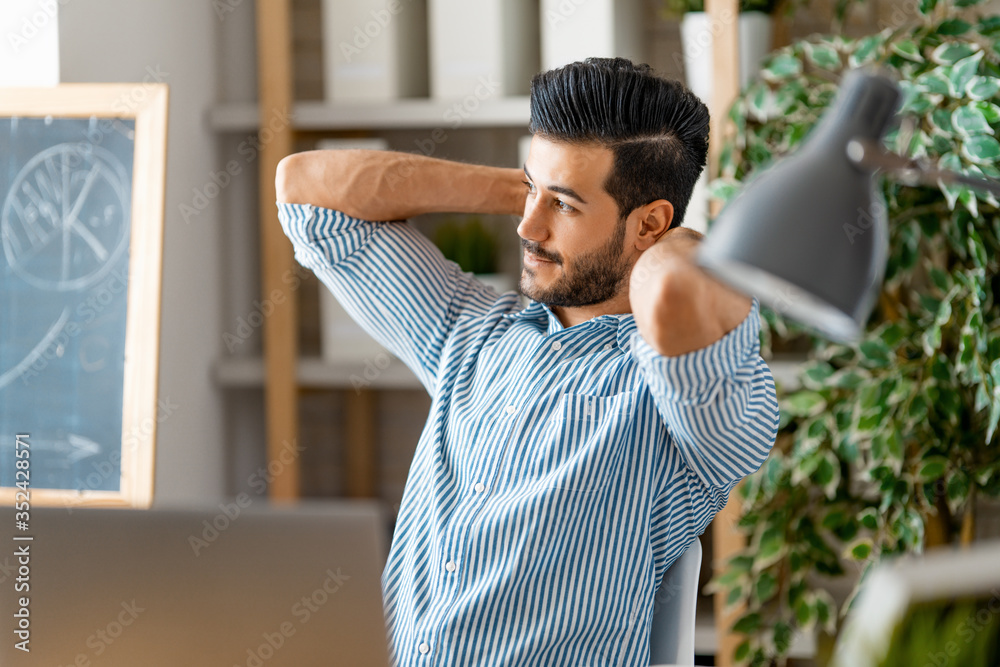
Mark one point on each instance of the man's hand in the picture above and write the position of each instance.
(679, 308)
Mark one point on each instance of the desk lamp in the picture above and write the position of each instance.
(809, 236)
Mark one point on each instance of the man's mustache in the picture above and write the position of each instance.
(536, 250)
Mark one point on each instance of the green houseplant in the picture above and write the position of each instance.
(468, 243)
(885, 445)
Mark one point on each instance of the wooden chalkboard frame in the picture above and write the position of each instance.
(146, 103)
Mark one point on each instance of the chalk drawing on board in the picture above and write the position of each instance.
(36, 352)
(66, 220)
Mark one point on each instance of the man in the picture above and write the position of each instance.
(574, 448)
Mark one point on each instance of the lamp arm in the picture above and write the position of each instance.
(870, 155)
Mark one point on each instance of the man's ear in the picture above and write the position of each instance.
(654, 220)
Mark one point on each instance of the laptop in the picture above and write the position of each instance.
(224, 586)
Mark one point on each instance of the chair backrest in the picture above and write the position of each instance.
(671, 638)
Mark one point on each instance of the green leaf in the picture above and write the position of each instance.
(758, 102)
(989, 25)
(827, 474)
(866, 50)
(969, 120)
(781, 66)
(982, 397)
(765, 587)
(860, 549)
(953, 27)
(941, 279)
(963, 71)
(870, 397)
(931, 340)
(782, 636)
(772, 545)
(817, 373)
(950, 162)
(950, 53)
(982, 87)
(977, 249)
(747, 624)
(981, 149)
(934, 82)
(941, 122)
(724, 189)
(994, 415)
(944, 311)
(966, 349)
(869, 518)
(742, 651)
(990, 111)
(932, 468)
(908, 49)
(848, 378)
(876, 353)
(805, 614)
(804, 404)
(957, 488)
(823, 56)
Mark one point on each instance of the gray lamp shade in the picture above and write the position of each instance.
(809, 236)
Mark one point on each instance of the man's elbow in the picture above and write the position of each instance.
(286, 177)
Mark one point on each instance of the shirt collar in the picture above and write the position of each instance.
(623, 323)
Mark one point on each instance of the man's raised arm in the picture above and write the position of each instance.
(385, 185)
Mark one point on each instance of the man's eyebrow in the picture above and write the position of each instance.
(569, 192)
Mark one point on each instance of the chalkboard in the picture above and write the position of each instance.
(81, 216)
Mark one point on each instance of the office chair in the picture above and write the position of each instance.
(671, 637)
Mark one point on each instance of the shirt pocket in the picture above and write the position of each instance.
(582, 441)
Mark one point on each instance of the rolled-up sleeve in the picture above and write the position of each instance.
(718, 403)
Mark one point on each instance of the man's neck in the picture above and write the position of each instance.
(569, 316)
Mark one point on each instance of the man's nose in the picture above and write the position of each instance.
(532, 227)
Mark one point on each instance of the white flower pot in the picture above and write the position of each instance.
(755, 30)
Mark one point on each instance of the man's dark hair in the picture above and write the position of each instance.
(656, 128)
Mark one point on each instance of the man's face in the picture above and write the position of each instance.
(575, 250)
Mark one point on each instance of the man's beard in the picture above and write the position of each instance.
(589, 279)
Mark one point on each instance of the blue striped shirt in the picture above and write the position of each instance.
(561, 470)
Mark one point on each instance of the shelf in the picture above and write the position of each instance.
(315, 373)
(398, 114)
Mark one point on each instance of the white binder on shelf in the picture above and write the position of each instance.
(374, 50)
(482, 49)
(572, 30)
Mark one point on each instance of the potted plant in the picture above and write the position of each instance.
(468, 243)
(755, 30)
(886, 445)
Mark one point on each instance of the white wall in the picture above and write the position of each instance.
(174, 40)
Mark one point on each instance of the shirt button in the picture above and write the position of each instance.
(479, 487)
(608, 346)
(424, 648)
(510, 409)
(557, 346)
(450, 566)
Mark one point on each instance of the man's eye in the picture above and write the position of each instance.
(563, 206)
(530, 186)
